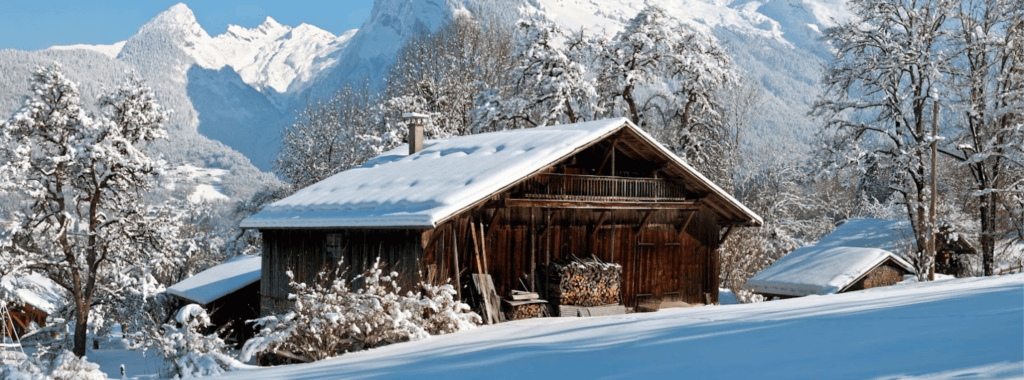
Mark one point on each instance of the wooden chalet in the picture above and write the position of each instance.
(520, 199)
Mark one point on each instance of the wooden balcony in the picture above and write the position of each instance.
(587, 191)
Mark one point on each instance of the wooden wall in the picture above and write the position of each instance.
(656, 260)
(307, 252)
(21, 316)
(883, 275)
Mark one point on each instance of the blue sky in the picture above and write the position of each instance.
(32, 25)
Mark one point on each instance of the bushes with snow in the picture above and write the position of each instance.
(440, 313)
(186, 350)
(23, 370)
(67, 366)
(329, 318)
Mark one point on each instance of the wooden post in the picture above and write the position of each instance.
(483, 246)
(613, 160)
(476, 250)
(547, 239)
(533, 251)
(484, 294)
(611, 244)
(455, 263)
(935, 194)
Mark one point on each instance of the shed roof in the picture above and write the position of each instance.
(838, 260)
(449, 175)
(37, 291)
(211, 284)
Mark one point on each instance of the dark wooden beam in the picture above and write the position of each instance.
(603, 205)
(533, 252)
(547, 223)
(607, 156)
(455, 264)
(600, 222)
(728, 230)
(434, 235)
(644, 221)
(494, 222)
(686, 222)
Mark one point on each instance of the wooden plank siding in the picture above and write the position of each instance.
(305, 252)
(655, 260)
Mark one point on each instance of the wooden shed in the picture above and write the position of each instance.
(524, 197)
(229, 292)
(858, 255)
(34, 299)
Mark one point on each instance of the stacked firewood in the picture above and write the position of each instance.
(525, 311)
(525, 305)
(583, 282)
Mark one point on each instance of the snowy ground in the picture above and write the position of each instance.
(205, 182)
(968, 328)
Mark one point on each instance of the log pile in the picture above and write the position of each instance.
(524, 311)
(583, 282)
(525, 305)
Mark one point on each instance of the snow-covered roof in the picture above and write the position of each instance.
(35, 290)
(397, 189)
(209, 285)
(836, 261)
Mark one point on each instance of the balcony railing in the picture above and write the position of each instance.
(602, 188)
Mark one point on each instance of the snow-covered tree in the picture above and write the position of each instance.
(880, 92)
(548, 84)
(664, 77)
(83, 175)
(441, 73)
(778, 192)
(327, 138)
(989, 82)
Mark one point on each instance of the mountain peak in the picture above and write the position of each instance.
(177, 18)
(270, 23)
(177, 14)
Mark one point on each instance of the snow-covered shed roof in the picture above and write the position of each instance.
(449, 175)
(837, 261)
(211, 284)
(35, 290)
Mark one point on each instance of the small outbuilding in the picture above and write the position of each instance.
(230, 292)
(858, 255)
(35, 298)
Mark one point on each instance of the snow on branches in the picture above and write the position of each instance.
(187, 352)
(329, 317)
(906, 69)
(83, 175)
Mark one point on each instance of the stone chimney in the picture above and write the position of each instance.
(415, 122)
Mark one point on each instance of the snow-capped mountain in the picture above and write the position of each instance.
(776, 42)
(268, 57)
(111, 50)
(241, 87)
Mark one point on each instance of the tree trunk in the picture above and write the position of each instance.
(987, 210)
(81, 330)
